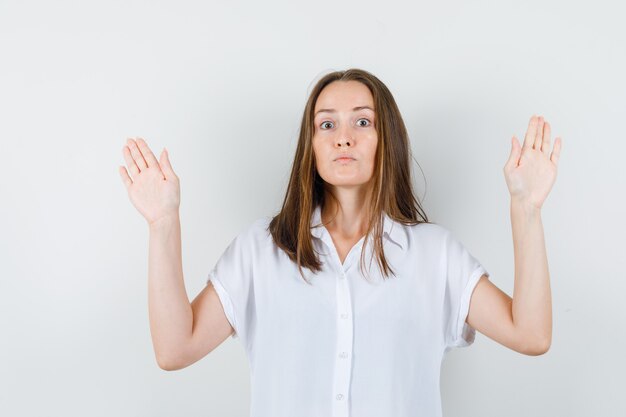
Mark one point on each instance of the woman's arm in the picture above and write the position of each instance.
(524, 322)
(532, 301)
(171, 316)
(154, 189)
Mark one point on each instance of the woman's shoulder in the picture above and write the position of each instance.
(428, 229)
(430, 232)
(256, 230)
(440, 235)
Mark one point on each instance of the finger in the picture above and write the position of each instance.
(545, 145)
(147, 153)
(137, 156)
(130, 162)
(556, 152)
(168, 172)
(125, 177)
(514, 155)
(539, 133)
(529, 138)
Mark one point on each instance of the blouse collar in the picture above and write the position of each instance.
(391, 229)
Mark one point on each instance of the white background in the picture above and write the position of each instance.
(222, 85)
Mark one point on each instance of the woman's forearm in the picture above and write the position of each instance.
(171, 316)
(532, 301)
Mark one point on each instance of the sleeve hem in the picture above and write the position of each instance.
(465, 334)
(227, 304)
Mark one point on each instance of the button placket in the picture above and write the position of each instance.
(343, 362)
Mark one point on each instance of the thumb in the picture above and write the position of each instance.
(516, 150)
(166, 166)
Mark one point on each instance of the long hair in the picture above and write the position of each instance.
(392, 190)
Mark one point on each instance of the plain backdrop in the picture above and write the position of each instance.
(222, 85)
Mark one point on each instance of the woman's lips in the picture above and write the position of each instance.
(345, 160)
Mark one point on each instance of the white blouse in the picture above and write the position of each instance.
(346, 346)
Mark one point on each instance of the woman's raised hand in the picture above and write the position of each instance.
(152, 185)
(531, 169)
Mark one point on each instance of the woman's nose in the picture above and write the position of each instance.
(345, 137)
(343, 141)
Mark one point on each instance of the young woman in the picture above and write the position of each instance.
(327, 332)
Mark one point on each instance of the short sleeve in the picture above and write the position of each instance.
(463, 271)
(232, 279)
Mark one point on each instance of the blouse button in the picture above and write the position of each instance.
(339, 397)
(344, 316)
(343, 355)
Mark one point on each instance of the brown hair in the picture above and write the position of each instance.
(392, 190)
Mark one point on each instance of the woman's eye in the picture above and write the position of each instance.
(362, 125)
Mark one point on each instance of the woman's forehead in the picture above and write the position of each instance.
(344, 95)
(344, 102)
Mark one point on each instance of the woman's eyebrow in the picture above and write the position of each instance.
(333, 110)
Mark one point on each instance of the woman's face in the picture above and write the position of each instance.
(342, 130)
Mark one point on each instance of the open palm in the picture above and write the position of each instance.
(153, 187)
(531, 170)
